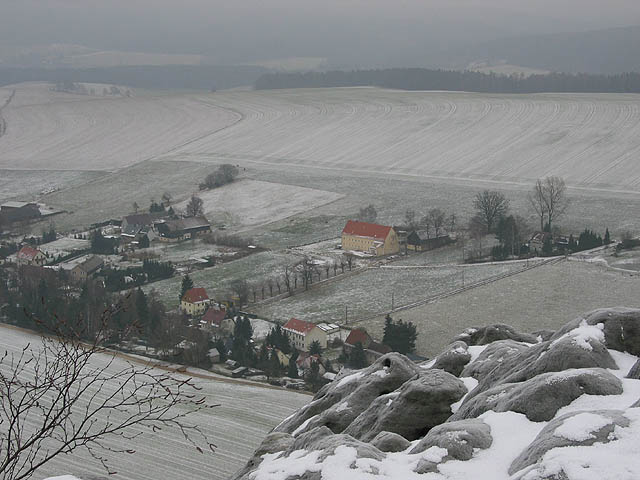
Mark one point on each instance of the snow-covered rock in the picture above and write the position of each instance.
(454, 358)
(496, 405)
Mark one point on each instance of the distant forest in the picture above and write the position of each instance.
(424, 79)
(197, 77)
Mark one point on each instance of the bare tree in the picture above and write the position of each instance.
(166, 199)
(350, 257)
(477, 229)
(368, 214)
(555, 198)
(549, 200)
(195, 207)
(490, 205)
(287, 277)
(410, 218)
(241, 290)
(436, 219)
(136, 207)
(537, 201)
(63, 395)
(451, 223)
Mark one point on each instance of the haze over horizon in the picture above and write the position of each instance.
(352, 34)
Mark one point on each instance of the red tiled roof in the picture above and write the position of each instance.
(195, 295)
(358, 335)
(299, 326)
(379, 347)
(28, 252)
(364, 229)
(214, 317)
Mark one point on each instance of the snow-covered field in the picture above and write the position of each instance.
(245, 415)
(540, 298)
(370, 293)
(62, 131)
(588, 139)
(250, 203)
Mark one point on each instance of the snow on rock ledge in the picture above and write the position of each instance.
(541, 410)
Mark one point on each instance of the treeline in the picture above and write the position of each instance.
(450, 80)
(199, 77)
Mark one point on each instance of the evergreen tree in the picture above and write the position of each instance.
(607, 237)
(222, 349)
(547, 246)
(187, 284)
(142, 308)
(400, 337)
(292, 369)
(357, 358)
(315, 348)
(144, 242)
(312, 377)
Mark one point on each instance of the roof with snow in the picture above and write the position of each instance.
(299, 326)
(364, 229)
(28, 253)
(195, 295)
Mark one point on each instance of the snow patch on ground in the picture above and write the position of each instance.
(624, 361)
(350, 378)
(470, 383)
(475, 351)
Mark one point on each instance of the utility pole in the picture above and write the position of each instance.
(346, 314)
(392, 300)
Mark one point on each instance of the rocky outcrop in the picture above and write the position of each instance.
(419, 405)
(573, 429)
(540, 397)
(501, 351)
(634, 373)
(519, 401)
(390, 442)
(339, 403)
(621, 328)
(453, 359)
(492, 333)
(459, 438)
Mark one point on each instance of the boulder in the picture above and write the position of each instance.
(453, 359)
(273, 443)
(324, 440)
(541, 397)
(390, 442)
(492, 333)
(460, 438)
(576, 349)
(543, 335)
(621, 327)
(493, 355)
(634, 373)
(418, 406)
(577, 428)
(337, 404)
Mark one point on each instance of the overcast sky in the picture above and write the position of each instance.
(345, 31)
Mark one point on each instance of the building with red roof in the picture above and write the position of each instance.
(195, 301)
(30, 256)
(370, 238)
(302, 334)
(358, 335)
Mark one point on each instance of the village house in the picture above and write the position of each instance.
(216, 321)
(182, 229)
(30, 256)
(18, 211)
(372, 349)
(135, 226)
(195, 301)
(370, 238)
(302, 334)
(419, 242)
(537, 241)
(85, 269)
